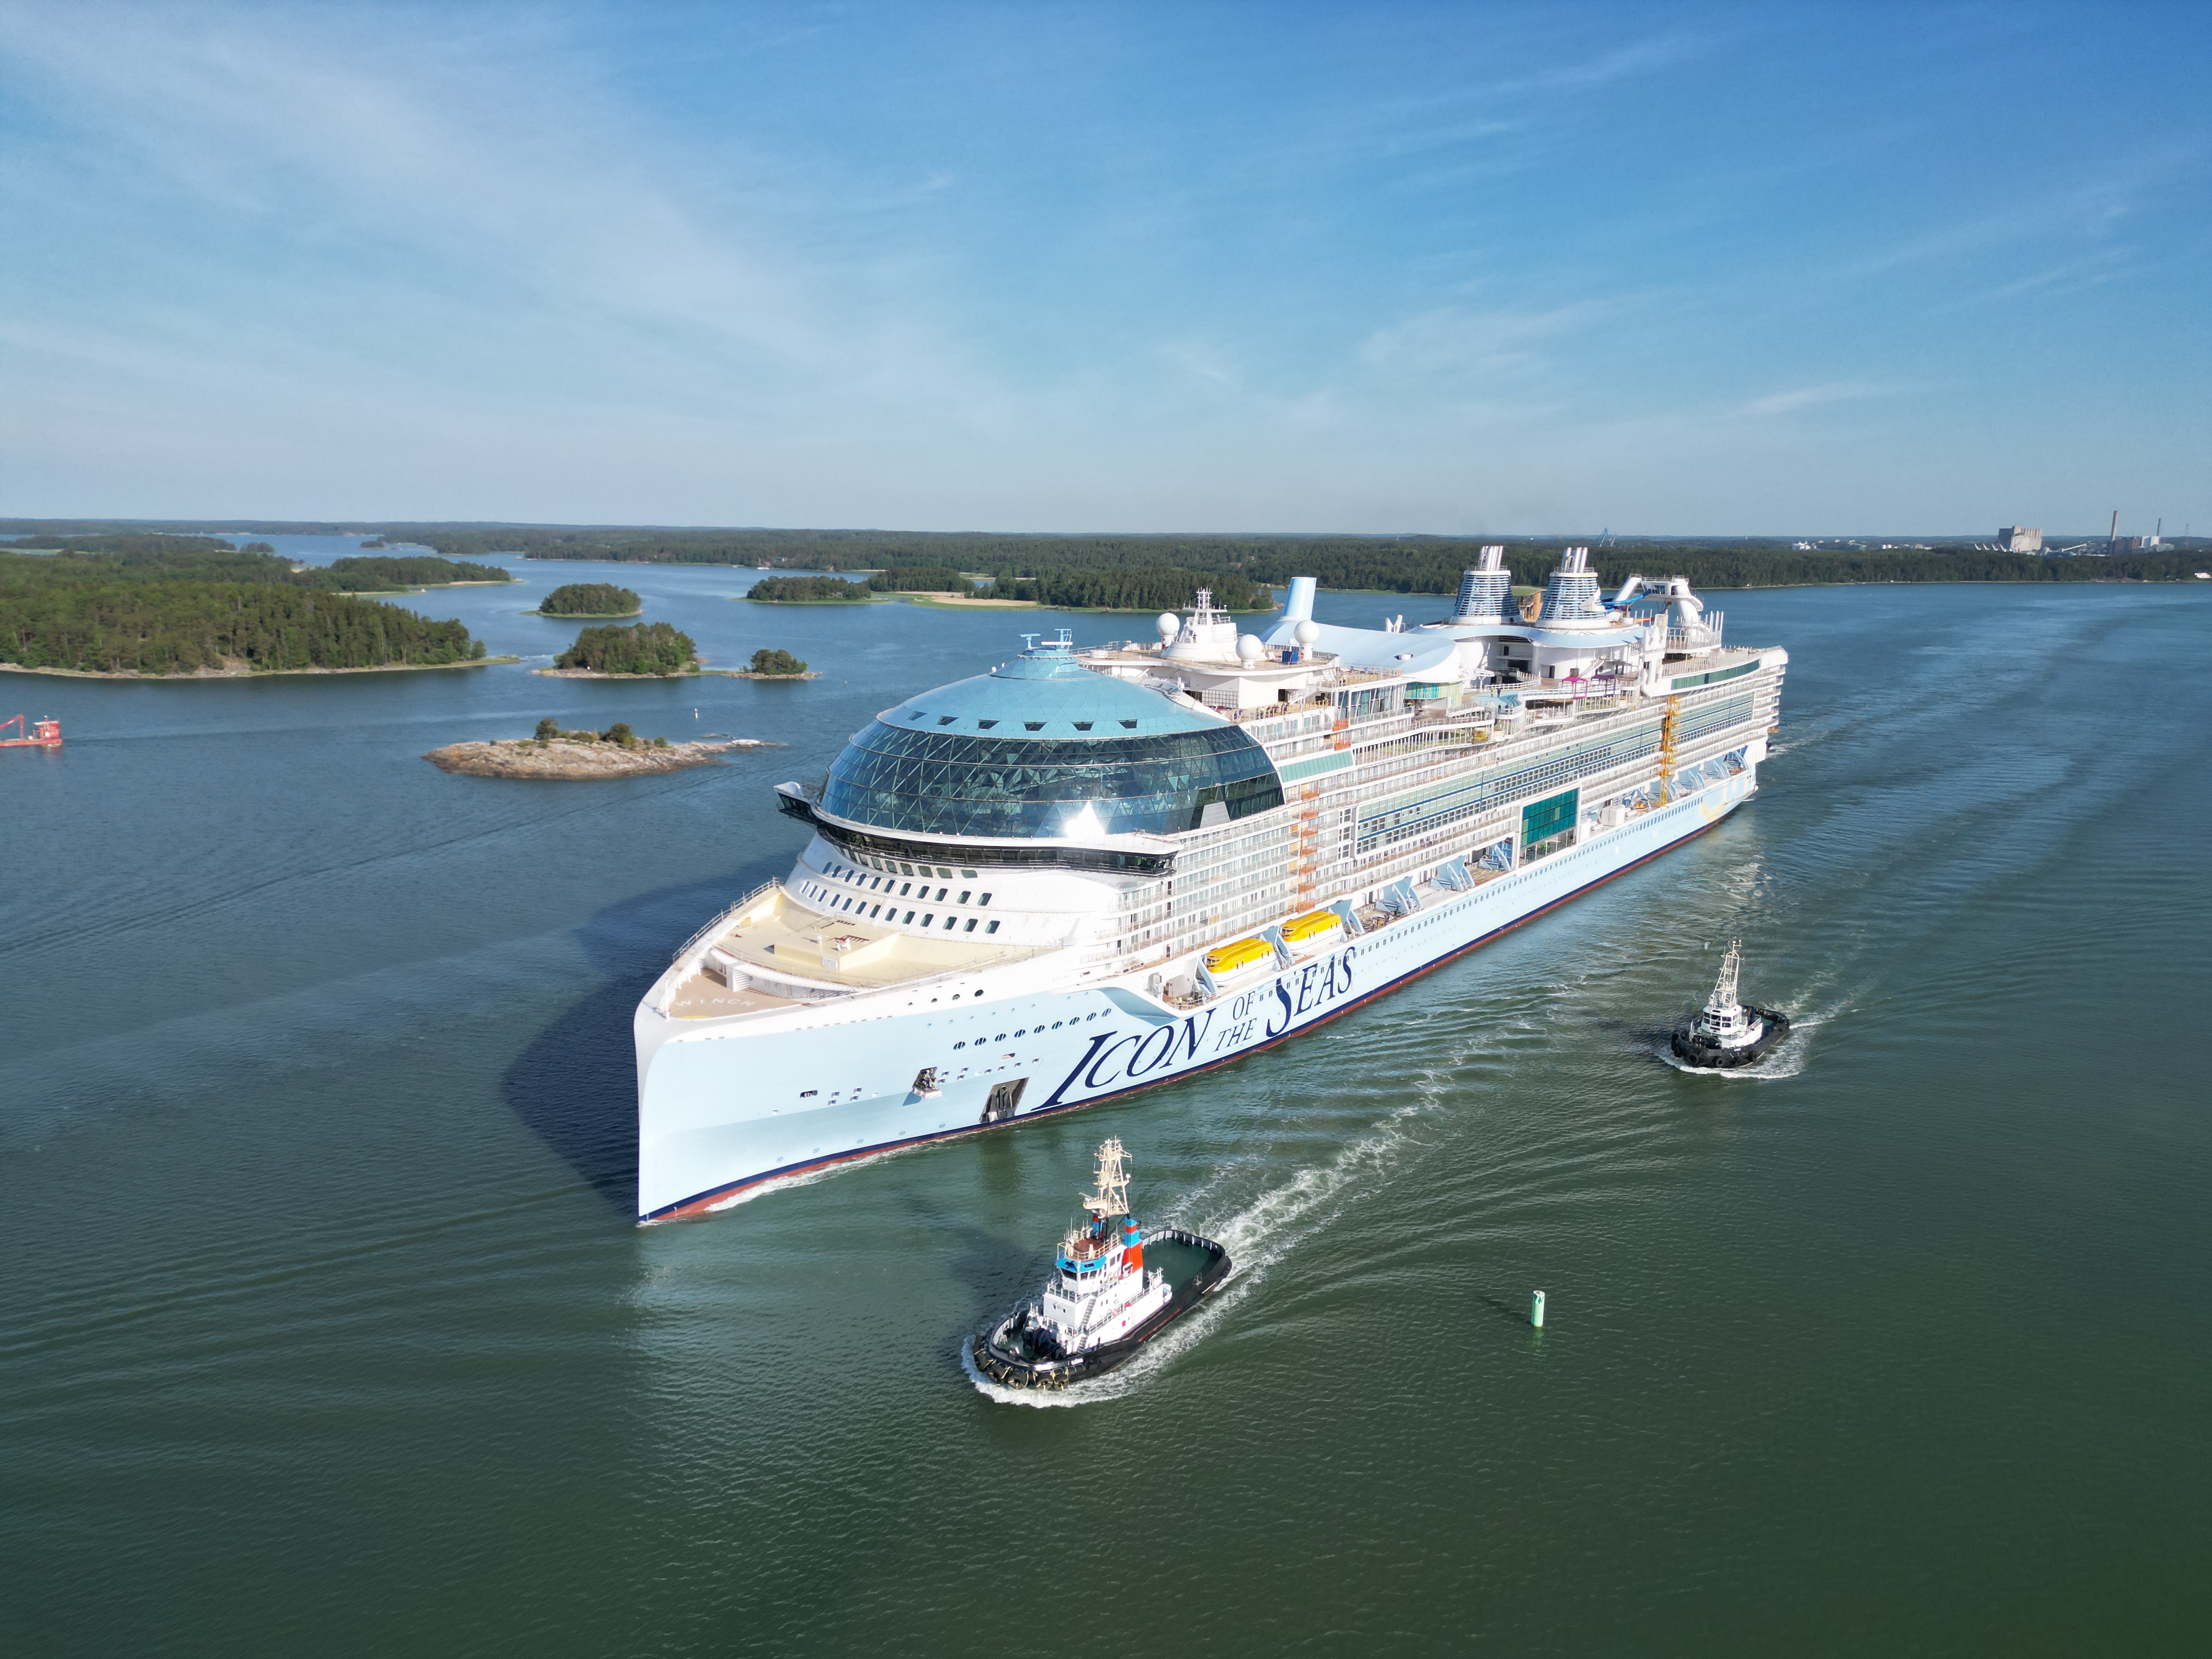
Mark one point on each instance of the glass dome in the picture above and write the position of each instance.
(1043, 748)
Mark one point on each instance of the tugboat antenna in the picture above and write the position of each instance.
(1112, 1197)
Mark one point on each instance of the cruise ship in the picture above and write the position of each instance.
(1087, 871)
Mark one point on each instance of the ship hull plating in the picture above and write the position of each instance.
(724, 1110)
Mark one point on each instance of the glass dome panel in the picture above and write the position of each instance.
(947, 783)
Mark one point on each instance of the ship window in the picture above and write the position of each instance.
(926, 921)
(909, 915)
(905, 888)
(949, 920)
(945, 873)
(1001, 1038)
(1033, 726)
(1056, 1025)
(1083, 726)
(873, 914)
(960, 1045)
(992, 928)
(945, 720)
(1129, 725)
(967, 875)
(970, 926)
(985, 725)
(985, 900)
(940, 894)
(963, 894)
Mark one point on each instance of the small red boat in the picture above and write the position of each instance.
(43, 734)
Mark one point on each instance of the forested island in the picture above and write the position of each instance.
(809, 590)
(592, 600)
(166, 611)
(640, 648)
(1139, 589)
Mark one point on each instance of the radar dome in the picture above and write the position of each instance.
(1248, 649)
(1307, 632)
(1169, 624)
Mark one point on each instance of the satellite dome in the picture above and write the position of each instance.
(1308, 631)
(1249, 650)
(1169, 624)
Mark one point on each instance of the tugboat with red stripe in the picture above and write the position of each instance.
(1113, 1288)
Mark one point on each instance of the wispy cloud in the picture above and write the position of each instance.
(1455, 341)
(1815, 396)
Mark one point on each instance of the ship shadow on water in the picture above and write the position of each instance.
(575, 1084)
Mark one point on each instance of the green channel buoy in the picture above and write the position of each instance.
(1536, 1309)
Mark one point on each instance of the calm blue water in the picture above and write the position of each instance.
(324, 1326)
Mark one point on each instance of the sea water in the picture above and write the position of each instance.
(324, 1326)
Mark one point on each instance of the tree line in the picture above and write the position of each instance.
(64, 618)
(1401, 564)
(209, 558)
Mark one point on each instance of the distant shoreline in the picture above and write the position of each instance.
(584, 616)
(249, 673)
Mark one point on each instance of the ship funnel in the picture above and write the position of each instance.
(1570, 597)
(1299, 606)
(1485, 592)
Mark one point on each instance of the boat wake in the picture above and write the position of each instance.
(1257, 1237)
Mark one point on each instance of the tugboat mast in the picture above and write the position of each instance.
(1112, 1179)
(1722, 1003)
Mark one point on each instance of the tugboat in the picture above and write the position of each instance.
(1726, 1033)
(1104, 1300)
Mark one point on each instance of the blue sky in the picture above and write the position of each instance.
(1455, 268)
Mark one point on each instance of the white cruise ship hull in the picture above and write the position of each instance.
(728, 1107)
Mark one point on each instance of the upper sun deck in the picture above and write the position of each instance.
(775, 952)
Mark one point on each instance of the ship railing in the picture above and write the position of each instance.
(722, 920)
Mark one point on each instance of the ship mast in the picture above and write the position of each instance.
(1112, 1178)
(1722, 1001)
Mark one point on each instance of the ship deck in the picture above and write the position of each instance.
(785, 940)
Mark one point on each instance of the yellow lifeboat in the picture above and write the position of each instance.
(1243, 954)
(1310, 926)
